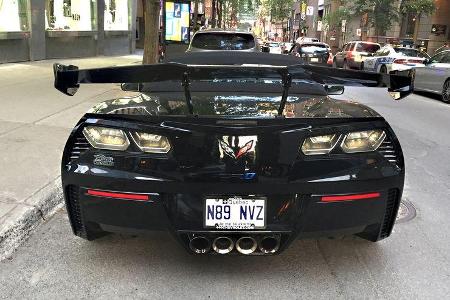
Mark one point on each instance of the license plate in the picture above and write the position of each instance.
(314, 59)
(235, 213)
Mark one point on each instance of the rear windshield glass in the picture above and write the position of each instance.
(314, 45)
(223, 41)
(410, 52)
(226, 104)
(363, 47)
(274, 45)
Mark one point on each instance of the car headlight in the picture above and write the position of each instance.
(151, 143)
(363, 141)
(316, 145)
(106, 138)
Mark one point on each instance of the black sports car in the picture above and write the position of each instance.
(313, 53)
(232, 156)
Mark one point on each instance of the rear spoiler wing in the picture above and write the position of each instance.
(69, 77)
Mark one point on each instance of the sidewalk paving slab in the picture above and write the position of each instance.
(35, 121)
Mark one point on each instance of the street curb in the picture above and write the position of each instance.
(45, 202)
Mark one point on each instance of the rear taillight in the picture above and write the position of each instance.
(405, 61)
(415, 61)
(330, 59)
(401, 61)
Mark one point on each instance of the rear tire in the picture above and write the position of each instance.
(446, 91)
(334, 63)
(361, 67)
(345, 66)
(383, 69)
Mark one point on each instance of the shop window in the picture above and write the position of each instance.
(13, 15)
(70, 15)
(116, 15)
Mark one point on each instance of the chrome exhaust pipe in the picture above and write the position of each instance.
(200, 244)
(269, 244)
(246, 245)
(223, 245)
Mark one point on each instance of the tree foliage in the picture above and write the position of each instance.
(228, 11)
(277, 10)
(418, 7)
(381, 14)
(334, 19)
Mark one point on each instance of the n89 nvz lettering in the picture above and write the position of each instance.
(246, 212)
(219, 212)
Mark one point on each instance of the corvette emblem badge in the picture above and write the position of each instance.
(237, 147)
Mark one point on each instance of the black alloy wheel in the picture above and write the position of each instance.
(446, 91)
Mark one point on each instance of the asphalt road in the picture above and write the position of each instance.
(412, 264)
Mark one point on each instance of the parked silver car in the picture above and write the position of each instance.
(220, 40)
(434, 77)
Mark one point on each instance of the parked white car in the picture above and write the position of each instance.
(391, 58)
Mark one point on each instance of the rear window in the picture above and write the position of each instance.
(364, 47)
(309, 48)
(410, 52)
(273, 45)
(314, 45)
(223, 41)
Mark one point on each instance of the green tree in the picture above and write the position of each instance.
(418, 8)
(381, 14)
(278, 10)
(334, 19)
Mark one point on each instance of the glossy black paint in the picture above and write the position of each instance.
(180, 180)
(274, 108)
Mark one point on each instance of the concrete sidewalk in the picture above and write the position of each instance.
(35, 121)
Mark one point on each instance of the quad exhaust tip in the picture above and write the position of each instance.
(269, 244)
(223, 245)
(200, 244)
(246, 245)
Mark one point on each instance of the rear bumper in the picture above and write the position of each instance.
(293, 210)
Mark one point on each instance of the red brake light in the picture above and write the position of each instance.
(349, 197)
(124, 196)
(401, 61)
(415, 61)
(330, 59)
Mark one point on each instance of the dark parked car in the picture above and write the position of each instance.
(313, 53)
(232, 156)
(353, 54)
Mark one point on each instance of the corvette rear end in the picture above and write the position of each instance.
(231, 166)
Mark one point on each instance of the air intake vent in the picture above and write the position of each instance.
(388, 150)
(79, 146)
(73, 207)
(392, 204)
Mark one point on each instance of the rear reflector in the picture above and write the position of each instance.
(349, 197)
(125, 196)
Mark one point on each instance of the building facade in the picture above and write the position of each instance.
(45, 29)
(306, 19)
(427, 32)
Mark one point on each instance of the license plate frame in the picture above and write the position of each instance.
(246, 199)
(314, 59)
